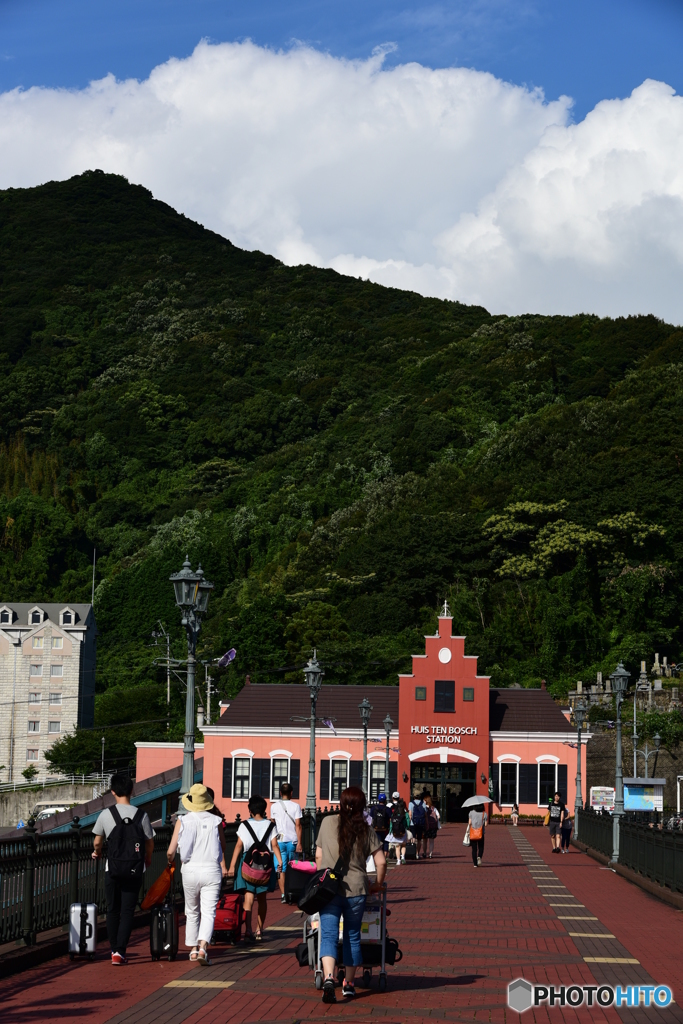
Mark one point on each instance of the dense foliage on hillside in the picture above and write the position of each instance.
(339, 456)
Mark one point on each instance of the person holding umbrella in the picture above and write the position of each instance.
(478, 819)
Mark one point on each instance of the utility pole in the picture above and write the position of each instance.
(163, 635)
(103, 762)
(92, 600)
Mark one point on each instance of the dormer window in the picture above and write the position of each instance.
(5, 616)
(67, 617)
(35, 616)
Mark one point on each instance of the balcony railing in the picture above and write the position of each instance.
(653, 852)
(596, 831)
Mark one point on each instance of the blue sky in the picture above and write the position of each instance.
(588, 49)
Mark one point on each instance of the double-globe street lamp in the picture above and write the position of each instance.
(365, 708)
(646, 753)
(580, 720)
(314, 678)
(619, 679)
(192, 594)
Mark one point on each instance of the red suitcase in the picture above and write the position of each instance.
(228, 922)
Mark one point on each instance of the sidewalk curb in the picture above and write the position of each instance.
(674, 899)
(25, 957)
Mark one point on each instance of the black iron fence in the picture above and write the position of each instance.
(596, 830)
(653, 852)
(310, 826)
(42, 875)
(648, 849)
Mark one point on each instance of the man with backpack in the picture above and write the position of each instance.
(381, 819)
(130, 845)
(418, 817)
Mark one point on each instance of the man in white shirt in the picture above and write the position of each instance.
(287, 817)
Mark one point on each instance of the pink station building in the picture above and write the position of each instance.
(452, 735)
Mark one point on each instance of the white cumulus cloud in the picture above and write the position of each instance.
(450, 182)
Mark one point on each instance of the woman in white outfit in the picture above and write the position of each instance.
(198, 837)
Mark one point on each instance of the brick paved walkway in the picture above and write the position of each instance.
(465, 934)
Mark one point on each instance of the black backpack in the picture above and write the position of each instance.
(126, 845)
(398, 823)
(380, 817)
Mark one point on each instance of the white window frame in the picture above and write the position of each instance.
(244, 755)
(55, 703)
(71, 612)
(57, 643)
(40, 611)
(372, 761)
(34, 693)
(333, 761)
(32, 750)
(35, 675)
(51, 731)
(273, 758)
(37, 643)
(56, 675)
(545, 759)
(509, 759)
(5, 608)
(33, 732)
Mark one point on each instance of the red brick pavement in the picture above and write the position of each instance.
(465, 934)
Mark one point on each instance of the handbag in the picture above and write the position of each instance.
(466, 840)
(322, 889)
(546, 820)
(477, 833)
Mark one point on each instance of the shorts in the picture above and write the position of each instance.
(287, 851)
(554, 828)
(418, 832)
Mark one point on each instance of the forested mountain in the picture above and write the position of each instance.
(339, 456)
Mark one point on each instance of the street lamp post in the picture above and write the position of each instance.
(388, 724)
(314, 677)
(192, 593)
(365, 708)
(646, 754)
(619, 679)
(579, 718)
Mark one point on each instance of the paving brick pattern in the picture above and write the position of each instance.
(465, 933)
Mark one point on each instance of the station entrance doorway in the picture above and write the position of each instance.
(449, 785)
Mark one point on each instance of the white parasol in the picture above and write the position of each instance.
(474, 801)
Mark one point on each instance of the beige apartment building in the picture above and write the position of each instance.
(47, 680)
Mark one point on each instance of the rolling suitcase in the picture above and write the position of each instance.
(82, 930)
(163, 931)
(411, 851)
(228, 921)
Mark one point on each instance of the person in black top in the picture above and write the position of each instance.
(557, 813)
(381, 818)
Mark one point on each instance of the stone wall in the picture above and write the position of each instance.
(601, 763)
(16, 805)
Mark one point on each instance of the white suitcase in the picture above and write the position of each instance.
(83, 930)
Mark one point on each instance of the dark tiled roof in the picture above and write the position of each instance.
(22, 608)
(525, 711)
(272, 705)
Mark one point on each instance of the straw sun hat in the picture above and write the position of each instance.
(198, 799)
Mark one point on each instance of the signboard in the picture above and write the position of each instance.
(644, 794)
(444, 733)
(602, 798)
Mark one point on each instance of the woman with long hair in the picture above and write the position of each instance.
(433, 824)
(347, 838)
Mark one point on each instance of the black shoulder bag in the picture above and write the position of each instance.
(322, 888)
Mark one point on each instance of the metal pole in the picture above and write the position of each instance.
(168, 682)
(386, 769)
(188, 745)
(647, 758)
(94, 552)
(310, 795)
(619, 788)
(365, 760)
(102, 768)
(578, 800)
(635, 737)
(75, 844)
(208, 696)
(27, 929)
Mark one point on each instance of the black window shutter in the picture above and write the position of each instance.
(227, 777)
(562, 780)
(393, 778)
(260, 777)
(493, 775)
(325, 780)
(294, 772)
(356, 774)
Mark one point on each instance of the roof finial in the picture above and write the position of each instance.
(446, 612)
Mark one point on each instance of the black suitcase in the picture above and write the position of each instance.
(295, 883)
(411, 851)
(163, 932)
